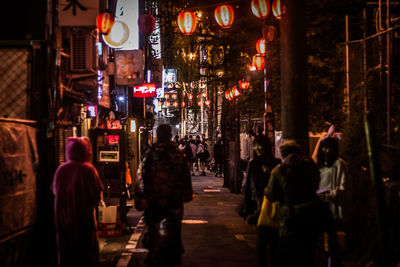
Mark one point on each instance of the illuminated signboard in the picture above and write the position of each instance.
(92, 110)
(169, 75)
(145, 90)
(160, 92)
(112, 139)
(109, 156)
(127, 12)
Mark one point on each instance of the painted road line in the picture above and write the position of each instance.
(194, 221)
(126, 256)
(211, 190)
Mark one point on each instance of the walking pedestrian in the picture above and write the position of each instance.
(193, 160)
(333, 188)
(293, 183)
(164, 185)
(203, 155)
(258, 174)
(197, 142)
(78, 190)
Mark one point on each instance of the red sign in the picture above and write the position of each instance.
(112, 139)
(145, 90)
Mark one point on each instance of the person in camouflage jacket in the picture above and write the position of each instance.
(164, 183)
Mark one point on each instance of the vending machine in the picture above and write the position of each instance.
(109, 157)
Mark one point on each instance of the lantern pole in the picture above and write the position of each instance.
(268, 116)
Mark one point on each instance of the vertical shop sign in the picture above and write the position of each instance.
(156, 68)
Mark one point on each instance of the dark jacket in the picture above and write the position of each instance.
(166, 177)
(293, 184)
(165, 185)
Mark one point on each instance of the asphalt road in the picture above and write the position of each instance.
(212, 232)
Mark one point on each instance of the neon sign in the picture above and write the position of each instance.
(145, 90)
(92, 110)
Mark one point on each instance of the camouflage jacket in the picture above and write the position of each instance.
(164, 178)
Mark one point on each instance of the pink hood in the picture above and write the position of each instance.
(78, 149)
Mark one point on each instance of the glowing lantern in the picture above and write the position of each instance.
(166, 96)
(252, 67)
(204, 94)
(175, 104)
(224, 16)
(167, 104)
(227, 95)
(276, 9)
(236, 91)
(187, 22)
(190, 96)
(199, 103)
(183, 104)
(146, 24)
(174, 96)
(258, 61)
(261, 46)
(104, 22)
(208, 102)
(260, 8)
(243, 84)
(231, 95)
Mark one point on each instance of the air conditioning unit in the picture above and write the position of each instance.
(83, 51)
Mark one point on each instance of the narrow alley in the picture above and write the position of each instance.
(213, 233)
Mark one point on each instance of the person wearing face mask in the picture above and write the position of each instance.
(334, 189)
(258, 173)
(333, 176)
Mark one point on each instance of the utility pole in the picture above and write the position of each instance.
(293, 74)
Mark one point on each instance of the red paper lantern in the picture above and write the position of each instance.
(190, 96)
(260, 8)
(104, 22)
(167, 104)
(175, 104)
(187, 22)
(204, 94)
(166, 96)
(258, 61)
(276, 9)
(227, 95)
(224, 16)
(243, 84)
(236, 92)
(231, 95)
(174, 96)
(261, 46)
(146, 24)
(199, 103)
(208, 102)
(183, 104)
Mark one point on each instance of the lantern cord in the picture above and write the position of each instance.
(214, 5)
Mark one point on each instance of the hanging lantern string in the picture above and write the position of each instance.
(211, 5)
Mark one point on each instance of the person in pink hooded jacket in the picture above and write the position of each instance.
(78, 190)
